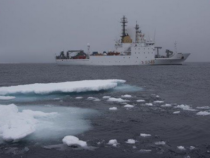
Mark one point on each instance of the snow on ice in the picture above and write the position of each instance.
(145, 135)
(131, 141)
(72, 140)
(126, 96)
(119, 100)
(113, 108)
(65, 87)
(203, 113)
(128, 106)
(181, 147)
(140, 101)
(185, 107)
(113, 142)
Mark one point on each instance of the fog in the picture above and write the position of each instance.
(35, 30)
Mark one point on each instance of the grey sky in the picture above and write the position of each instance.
(34, 30)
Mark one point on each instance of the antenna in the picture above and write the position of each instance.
(123, 21)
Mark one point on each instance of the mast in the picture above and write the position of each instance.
(123, 21)
(137, 33)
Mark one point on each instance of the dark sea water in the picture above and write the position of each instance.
(188, 84)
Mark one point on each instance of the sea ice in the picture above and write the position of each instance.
(113, 142)
(145, 135)
(79, 97)
(106, 97)
(185, 107)
(145, 150)
(160, 143)
(113, 108)
(128, 106)
(119, 100)
(131, 141)
(181, 147)
(140, 101)
(93, 99)
(166, 105)
(149, 104)
(192, 147)
(203, 113)
(158, 101)
(6, 97)
(176, 112)
(65, 87)
(126, 96)
(72, 140)
(203, 107)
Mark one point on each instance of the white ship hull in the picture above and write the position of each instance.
(176, 59)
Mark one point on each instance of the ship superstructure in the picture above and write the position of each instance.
(127, 52)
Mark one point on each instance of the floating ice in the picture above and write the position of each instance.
(18, 122)
(127, 88)
(158, 101)
(113, 142)
(181, 147)
(113, 108)
(106, 97)
(145, 135)
(176, 112)
(131, 141)
(149, 104)
(93, 99)
(64, 87)
(203, 107)
(119, 100)
(15, 125)
(185, 107)
(72, 140)
(192, 147)
(126, 96)
(79, 97)
(203, 113)
(140, 101)
(145, 150)
(166, 105)
(6, 97)
(128, 106)
(160, 143)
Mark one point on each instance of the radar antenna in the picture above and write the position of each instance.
(123, 21)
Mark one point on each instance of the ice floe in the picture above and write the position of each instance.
(149, 104)
(145, 135)
(113, 108)
(113, 142)
(185, 107)
(192, 147)
(131, 141)
(72, 141)
(64, 87)
(158, 101)
(126, 96)
(203, 107)
(166, 105)
(181, 147)
(78, 98)
(128, 106)
(15, 125)
(93, 99)
(119, 100)
(203, 113)
(160, 143)
(106, 97)
(140, 101)
(176, 112)
(6, 97)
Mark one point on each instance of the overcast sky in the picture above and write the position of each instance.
(34, 30)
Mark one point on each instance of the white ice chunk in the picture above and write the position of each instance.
(203, 107)
(93, 99)
(73, 86)
(145, 150)
(160, 143)
(126, 96)
(176, 112)
(15, 125)
(106, 97)
(166, 105)
(119, 100)
(79, 97)
(128, 106)
(158, 101)
(181, 147)
(203, 113)
(113, 108)
(140, 101)
(113, 142)
(149, 104)
(185, 107)
(145, 135)
(131, 141)
(72, 140)
(6, 97)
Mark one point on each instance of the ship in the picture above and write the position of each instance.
(171, 58)
(127, 52)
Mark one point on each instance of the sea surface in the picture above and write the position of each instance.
(183, 89)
